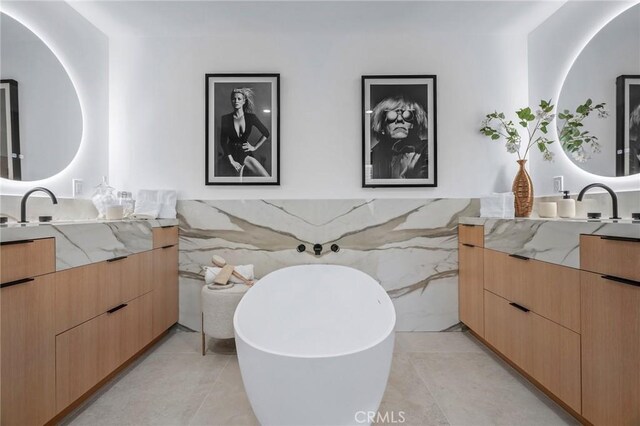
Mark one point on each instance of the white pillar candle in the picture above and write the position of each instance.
(547, 209)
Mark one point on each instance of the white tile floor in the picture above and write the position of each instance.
(436, 379)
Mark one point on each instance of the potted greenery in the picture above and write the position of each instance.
(571, 134)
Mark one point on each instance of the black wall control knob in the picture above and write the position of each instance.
(335, 248)
(301, 248)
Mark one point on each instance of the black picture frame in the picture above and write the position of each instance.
(415, 163)
(627, 128)
(10, 153)
(219, 124)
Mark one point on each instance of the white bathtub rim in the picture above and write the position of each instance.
(385, 335)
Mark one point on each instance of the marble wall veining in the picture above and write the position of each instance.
(408, 245)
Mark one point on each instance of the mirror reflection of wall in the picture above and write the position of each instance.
(47, 115)
(612, 52)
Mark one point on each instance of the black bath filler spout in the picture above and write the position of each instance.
(317, 249)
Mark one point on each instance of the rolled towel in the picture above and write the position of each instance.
(212, 271)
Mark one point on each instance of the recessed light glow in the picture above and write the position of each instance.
(267, 111)
(368, 112)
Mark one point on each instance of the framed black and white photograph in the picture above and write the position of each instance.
(242, 142)
(399, 131)
(627, 125)
(10, 158)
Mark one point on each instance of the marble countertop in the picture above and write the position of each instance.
(549, 240)
(83, 242)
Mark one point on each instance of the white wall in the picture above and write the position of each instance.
(553, 47)
(157, 103)
(49, 111)
(84, 51)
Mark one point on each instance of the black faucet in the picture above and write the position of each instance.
(317, 249)
(614, 197)
(23, 203)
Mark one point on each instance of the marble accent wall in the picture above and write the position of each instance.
(408, 245)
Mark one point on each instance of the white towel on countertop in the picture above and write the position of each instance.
(499, 205)
(152, 204)
(167, 200)
(212, 271)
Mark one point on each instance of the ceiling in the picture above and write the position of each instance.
(205, 18)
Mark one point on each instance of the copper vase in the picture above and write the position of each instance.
(523, 191)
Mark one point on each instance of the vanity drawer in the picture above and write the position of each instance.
(615, 256)
(85, 292)
(27, 259)
(471, 234)
(89, 352)
(551, 291)
(165, 236)
(545, 350)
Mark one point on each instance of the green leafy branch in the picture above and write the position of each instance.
(572, 135)
(495, 127)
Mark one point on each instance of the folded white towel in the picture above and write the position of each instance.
(146, 209)
(212, 271)
(167, 201)
(498, 205)
(152, 204)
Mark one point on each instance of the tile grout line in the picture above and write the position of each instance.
(195, 413)
(435, 399)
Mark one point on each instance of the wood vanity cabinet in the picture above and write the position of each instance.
(574, 332)
(165, 279)
(610, 329)
(64, 332)
(471, 289)
(27, 345)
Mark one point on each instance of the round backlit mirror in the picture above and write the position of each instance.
(40, 115)
(606, 71)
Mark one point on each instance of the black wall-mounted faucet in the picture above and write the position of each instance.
(317, 249)
(25, 197)
(614, 197)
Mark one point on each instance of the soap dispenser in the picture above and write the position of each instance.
(566, 206)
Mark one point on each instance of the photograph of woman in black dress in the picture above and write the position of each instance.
(242, 129)
(235, 130)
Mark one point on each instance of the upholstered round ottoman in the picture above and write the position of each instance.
(218, 307)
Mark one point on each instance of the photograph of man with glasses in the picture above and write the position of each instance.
(398, 136)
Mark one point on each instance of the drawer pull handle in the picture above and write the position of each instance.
(468, 245)
(621, 280)
(517, 256)
(8, 243)
(117, 308)
(115, 259)
(16, 282)
(628, 239)
(166, 247)
(167, 226)
(522, 308)
(467, 224)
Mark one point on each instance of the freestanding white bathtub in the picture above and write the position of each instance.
(314, 345)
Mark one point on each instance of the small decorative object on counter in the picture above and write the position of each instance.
(103, 196)
(125, 199)
(536, 126)
(114, 212)
(547, 209)
(567, 206)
